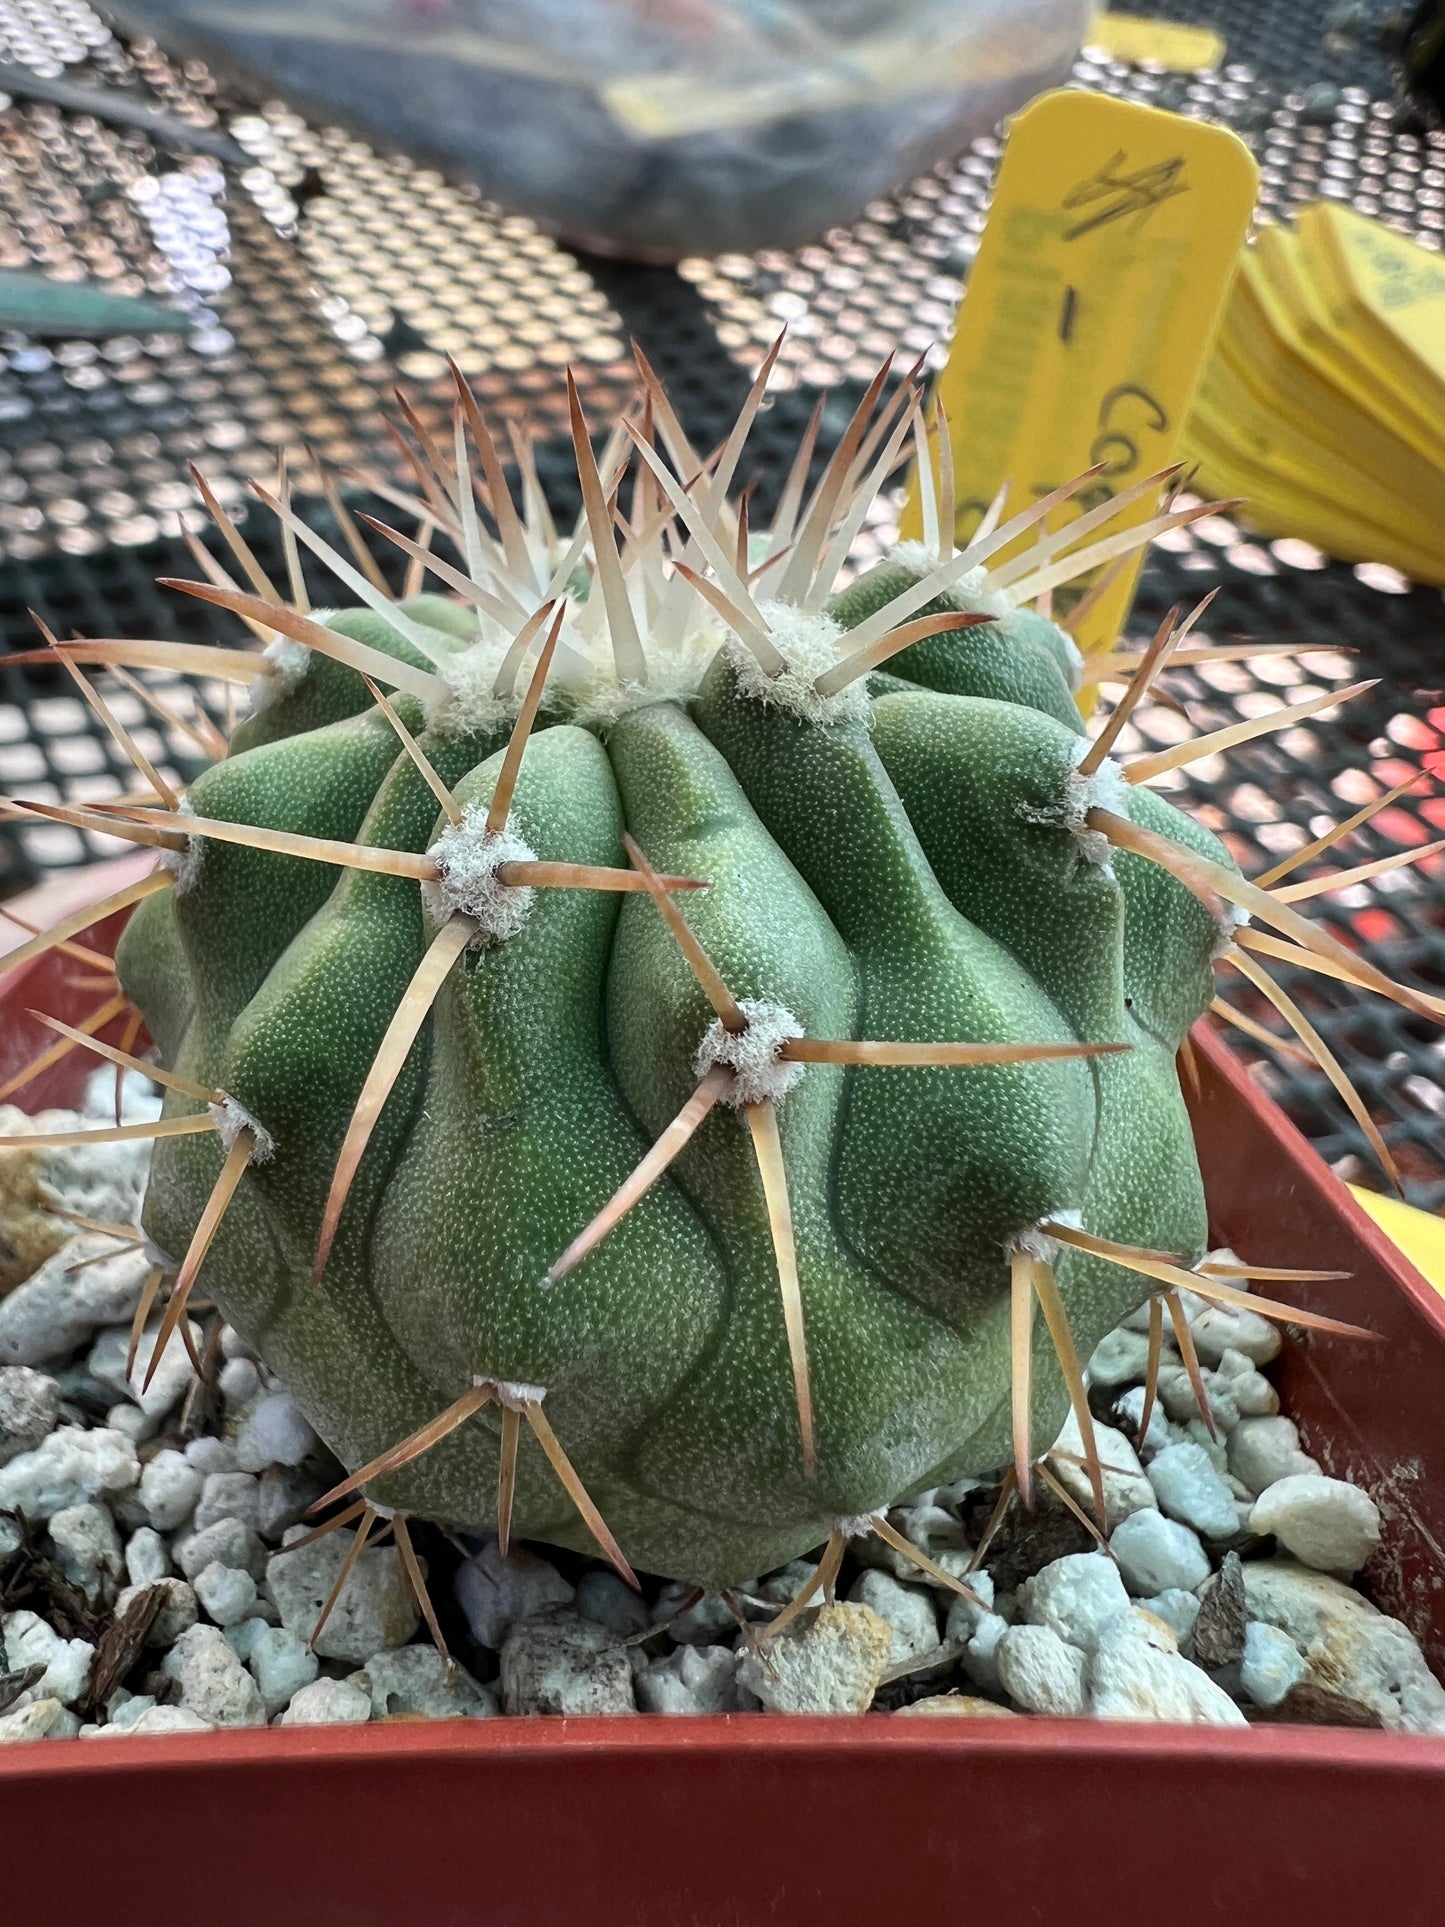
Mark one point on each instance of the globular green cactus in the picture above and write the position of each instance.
(645, 1097)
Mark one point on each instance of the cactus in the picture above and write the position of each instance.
(693, 1090)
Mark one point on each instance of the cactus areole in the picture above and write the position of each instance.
(670, 1138)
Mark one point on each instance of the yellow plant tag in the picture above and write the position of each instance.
(1163, 43)
(1107, 257)
(1389, 289)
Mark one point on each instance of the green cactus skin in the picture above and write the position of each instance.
(910, 870)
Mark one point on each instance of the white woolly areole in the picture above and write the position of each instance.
(857, 1525)
(1228, 919)
(1035, 1239)
(468, 857)
(185, 865)
(511, 1392)
(809, 644)
(752, 1054)
(288, 664)
(465, 701)
(1106, 789)
(231, 1118)
(970, 595)
(675, 670)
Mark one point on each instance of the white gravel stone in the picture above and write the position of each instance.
(229, 1542)
(1222, 1328)
(57, 1309)
(828, 1661)
(780, 1588)
(36, 1720)
(1264, 1450)
(87, 1548)
(415, 1682)
(245, 1636)
(1189, 1489)
(29, 1641)
(496, 1594)
(374, 1612)
(558, 1663)
(131, 1420)
(283, 1494)
(1042, 1672)
(603, 1597)
(208, 1454)
(1351, 1647)
(979, 1658)
(124, 1709)
(155, 1719)
(1325, 1523)
(174, 1375)
(179, 1610)
(169, 1489)
(328, 1702)
(274, 1433)
(1130, 1406)
(1121, 1357)
(706, 1622)
(1252, 1392)
(147, 1556)
(29, 1402)
(213, 1682)
(1181, 1402)
(909, 1611)
(1135, 1673)
(1271, 1664)
(1156, 1554)
(1126, 1489)
(691, 1679)
(964, 1615)
(280, 1665)
(1076, 1596)
(227, 1593)
(238, 1382)
(1178, 1610)
(930, 1527)
(67, 1468)
(227, 1495)
(233, 1345)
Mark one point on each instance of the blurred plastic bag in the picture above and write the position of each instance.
(653, 128)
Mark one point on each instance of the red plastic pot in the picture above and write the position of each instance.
(732, 1822)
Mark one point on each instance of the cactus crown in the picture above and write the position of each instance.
(647, 1028)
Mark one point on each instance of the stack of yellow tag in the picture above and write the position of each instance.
(1324, 404)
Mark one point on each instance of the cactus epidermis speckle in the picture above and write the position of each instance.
(906, 860)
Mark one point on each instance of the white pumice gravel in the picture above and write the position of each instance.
(374, 1610)
(1271, 1663)
(910, 1611)
(1324, 1522)
(1190, 1489)
(830, 1660)
(279, 1662)
(1041, 1672)
(1156, 1554)
(558, 1663)
(496, 1593)
(328, 1702)
(1077, 1597)
(29, 1403)
(188, 1504)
